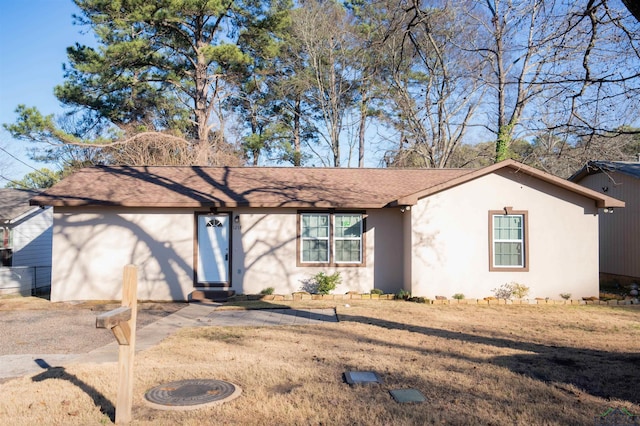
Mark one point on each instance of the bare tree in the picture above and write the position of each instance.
(599, 93)
(556, 66)
(634, 7)
(433, 84)
(324, 30)
(515, 40)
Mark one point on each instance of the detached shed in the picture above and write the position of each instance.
(619, 229)
(426, 231)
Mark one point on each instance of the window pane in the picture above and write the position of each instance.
(348, 226)
(315, 251)
(347, 251)
(315, 226)
(507, 227)
(508, 254)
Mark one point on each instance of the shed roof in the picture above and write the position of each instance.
(194, 187)
(14, 203)
(592, 167)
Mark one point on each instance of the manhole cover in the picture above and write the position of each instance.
(191, 394)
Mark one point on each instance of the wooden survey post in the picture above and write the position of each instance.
(122, 323)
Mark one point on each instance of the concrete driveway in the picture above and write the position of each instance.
(65, 337)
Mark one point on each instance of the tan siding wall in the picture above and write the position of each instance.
(620, 231)
(451, 240)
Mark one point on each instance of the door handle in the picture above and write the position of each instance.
(226, 256)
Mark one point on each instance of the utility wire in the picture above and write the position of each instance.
(18, 160)
(9, 180)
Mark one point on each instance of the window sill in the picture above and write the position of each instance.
(331, 265)
(518, 269)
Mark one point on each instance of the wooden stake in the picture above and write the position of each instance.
(126, 352)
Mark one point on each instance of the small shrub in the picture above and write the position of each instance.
(377, 291)
(565, 296)
(268, 291)
(403, 294)
(458, 296)
(503, 292)
(520, 291)
(509, 290)
(326, 283)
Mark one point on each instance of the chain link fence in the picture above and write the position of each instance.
(25, 280)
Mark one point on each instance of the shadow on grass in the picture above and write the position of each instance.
(106, 407)
(600, 373)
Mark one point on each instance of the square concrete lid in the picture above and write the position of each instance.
(407, 395)
(361, 377)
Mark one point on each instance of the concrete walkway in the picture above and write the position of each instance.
(193, 315)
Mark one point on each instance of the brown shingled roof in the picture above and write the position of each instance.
(241, 186)
(14, 203)
(272, 186)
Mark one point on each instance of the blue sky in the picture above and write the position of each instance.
(34, 35)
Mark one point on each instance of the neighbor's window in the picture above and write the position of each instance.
(331, 238)
(508, 241)
(6, 245)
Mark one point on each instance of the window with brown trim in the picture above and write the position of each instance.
(508, 245)
(331, 238)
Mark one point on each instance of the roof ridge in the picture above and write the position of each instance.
(281, 167)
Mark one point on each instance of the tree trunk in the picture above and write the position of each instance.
(202, 105)
(502, 143)
(297, 154)
(363, 126)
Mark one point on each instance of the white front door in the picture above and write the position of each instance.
(213, 249)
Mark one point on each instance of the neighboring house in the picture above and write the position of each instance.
(25, 242)
(620, 231)
(432, 232)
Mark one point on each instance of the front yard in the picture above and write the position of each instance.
(475, 364)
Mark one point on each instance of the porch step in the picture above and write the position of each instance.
(211, 295)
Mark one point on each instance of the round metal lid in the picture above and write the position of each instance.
(191, 394)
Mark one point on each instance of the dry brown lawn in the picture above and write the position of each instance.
(522, 365)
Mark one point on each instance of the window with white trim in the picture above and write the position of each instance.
(347, 238)
(314, 236)
(331, 238)
(508, 249)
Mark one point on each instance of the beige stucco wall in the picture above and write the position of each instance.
(450, 239)
(619, 231)
(264, 254)
(91, 246)
(438, 247)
